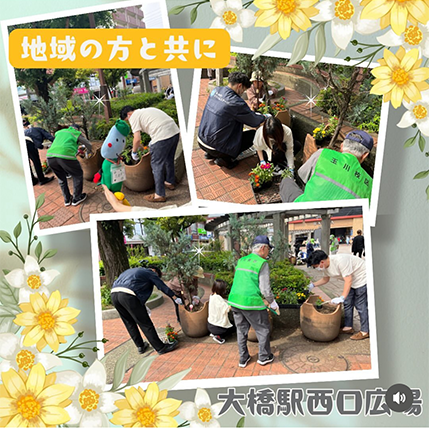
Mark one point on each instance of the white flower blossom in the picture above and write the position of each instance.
(31, 279)
(345, 20)
(232, 17)
(201, 413)
(417, 113)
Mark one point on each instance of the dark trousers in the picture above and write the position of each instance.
(134, 315)
(220, 331)
(162, 162)
(61, 168)
(33, 155)
(360, 251)
(357, 298)
(246, 142)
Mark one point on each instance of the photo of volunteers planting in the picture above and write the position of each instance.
(240, 287)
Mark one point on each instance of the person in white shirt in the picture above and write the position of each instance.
(218, 322)
(276, 140)
(164, 134)
(352, 270)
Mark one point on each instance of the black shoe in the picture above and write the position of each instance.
(223, 163)
(243, 363)
(68, 202)
(168, 347)
(142, 349)
(35, 181)
(47, 180)
(268, 360)
(207, 156)
(79, 200)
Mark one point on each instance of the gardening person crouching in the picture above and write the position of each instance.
(352, 270)
(250, 286)
(164, 134)
(130, 292)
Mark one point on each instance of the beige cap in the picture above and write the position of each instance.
(256, 76)
(199, 273)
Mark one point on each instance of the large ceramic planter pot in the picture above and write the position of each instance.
(318, 326)
(139, 176)
(252, 335)
(284, 117)
(91, 166)
(194, 324)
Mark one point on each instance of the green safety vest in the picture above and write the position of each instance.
(337, 176)
(245, 293)
(65, 144)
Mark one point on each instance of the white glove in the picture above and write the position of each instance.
(337, 300)
(263, 163)
(273, 305)
(310, 286)
(291, 170)
(178, 301)
(267, 115)
(270, 93)
(135, 156)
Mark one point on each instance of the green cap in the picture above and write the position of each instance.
(122, 127)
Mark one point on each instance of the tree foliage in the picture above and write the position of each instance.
(175, 225)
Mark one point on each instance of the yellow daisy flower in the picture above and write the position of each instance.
(46, 320)
(34, 400)
(284, 15)
(399, 77)
(150, 409)
(396, 13)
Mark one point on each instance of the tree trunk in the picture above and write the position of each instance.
(112, 249)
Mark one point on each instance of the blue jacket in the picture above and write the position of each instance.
(141, 282)
(222, 121)
(38, 135)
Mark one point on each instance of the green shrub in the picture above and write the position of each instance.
(101, 268)
(228, 277)
(169, 107)
(106, 299)
(217, 261)
(137, 101)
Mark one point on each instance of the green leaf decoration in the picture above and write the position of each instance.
(176, 10)
(410, 142)
(7, 325)
(194, 14)
(5, 236)
(6, 311)
(6, 271)
(140, 370)
(45, 218)
(300, 48)
(40, 200)
(240, 422)
(422, 143)
(8, 294)
(270, 41)
(170, 382)
(422, 175)
(120, 369)
(427, 192)
(49, 253)
(319, 43)
(38, 250)
(17, 230)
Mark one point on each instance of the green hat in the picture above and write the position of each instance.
(122, 127)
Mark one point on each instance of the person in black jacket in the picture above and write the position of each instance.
(34, 137)
(220, 133)
(129, 293)
(358, 244)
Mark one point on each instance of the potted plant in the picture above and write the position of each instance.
(261, 176)
(323, 133)
(318, 303)
(171, 334)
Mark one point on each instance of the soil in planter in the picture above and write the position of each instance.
(326, 309)
(270, 195)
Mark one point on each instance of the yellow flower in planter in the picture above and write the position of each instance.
(284, 15)
(396, 13)
(46, 320)
(399, 77)
(34, 400)
(150, 409)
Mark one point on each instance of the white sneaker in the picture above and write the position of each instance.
(268, 360)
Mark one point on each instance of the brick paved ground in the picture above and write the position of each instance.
(292, 351)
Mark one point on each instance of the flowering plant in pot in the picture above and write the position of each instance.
(324, 132)
(261, 176)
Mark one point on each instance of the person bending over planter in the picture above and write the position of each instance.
(218, 322)
(164, 134)
(333, 175)
(130, 292)
(353, 271)
(62, 160)
(250, 286)
(220, 134)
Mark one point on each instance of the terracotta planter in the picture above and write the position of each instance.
(292, 260)
(252, 335)
(91, 166)
(139, 176)
(194, 324)
(284, 117)
(317, 326)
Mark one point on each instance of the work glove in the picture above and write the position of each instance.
(263, 163)
(273, 305)
(310, 286)
(337, 300)
(291, 170)
(135, 156)
(178, 301)
(267, 115)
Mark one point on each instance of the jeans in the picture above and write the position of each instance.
(259, 321)
(357, 298)
(162, 162)
(61, 168)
